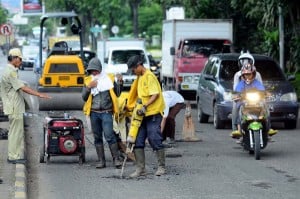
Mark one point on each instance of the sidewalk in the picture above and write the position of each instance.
(13, 175)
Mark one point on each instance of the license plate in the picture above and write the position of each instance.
(64, 78)
(185, 86)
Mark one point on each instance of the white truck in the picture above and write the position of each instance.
(186, 45)
(114, 54)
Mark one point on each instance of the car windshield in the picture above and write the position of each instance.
(228, 69)
(64, 68)
(122, 56)
(268, 69)
(202, 47)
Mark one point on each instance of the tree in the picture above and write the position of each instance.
(134, 4)
(3, 15)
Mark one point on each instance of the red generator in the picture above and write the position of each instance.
(63, 137)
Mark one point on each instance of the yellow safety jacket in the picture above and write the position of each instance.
(132, 95)
(88, 104)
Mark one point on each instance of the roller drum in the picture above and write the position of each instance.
(62, 101)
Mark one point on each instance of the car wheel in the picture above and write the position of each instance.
(291, 124)
(202, 118)
(218, 124)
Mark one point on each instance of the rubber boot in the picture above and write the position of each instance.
(161, 162)
(101, 156)
(115, 155)
(140, 163)
(122, 148)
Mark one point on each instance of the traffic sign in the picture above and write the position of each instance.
(6, 29)
(115, 29)
(96, 29)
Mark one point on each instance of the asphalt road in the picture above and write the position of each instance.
(214, 168)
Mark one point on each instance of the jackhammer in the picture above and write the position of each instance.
(136, 120)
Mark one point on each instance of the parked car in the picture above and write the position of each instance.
(29, 54)
(215, 90)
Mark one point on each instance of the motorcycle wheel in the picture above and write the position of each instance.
(256, 145)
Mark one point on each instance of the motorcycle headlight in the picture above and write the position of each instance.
(289, 97)
(253, 97)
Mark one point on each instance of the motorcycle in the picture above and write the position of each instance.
(254, 116)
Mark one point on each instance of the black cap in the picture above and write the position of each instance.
(135, 60)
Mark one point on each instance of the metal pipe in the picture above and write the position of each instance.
(281, 38)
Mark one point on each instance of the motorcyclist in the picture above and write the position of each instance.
(248, 81)
(244, 58)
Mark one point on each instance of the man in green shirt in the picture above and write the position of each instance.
(14, 105)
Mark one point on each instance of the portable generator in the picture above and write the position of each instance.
(63, 137)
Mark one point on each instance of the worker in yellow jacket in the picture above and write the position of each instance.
(100, 104)
(147, 90)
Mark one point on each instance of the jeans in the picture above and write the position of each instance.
(234, 115)
(150, 128)
(103, 123)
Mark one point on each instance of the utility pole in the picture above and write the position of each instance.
(281, 38)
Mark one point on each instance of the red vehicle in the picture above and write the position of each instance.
(190, 59)
(32, 6)
(186, 45)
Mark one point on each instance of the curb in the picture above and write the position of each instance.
(20, 183)
(20, 175)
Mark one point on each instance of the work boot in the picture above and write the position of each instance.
(115, 155)
(101, 156)
(272, 132)
(172, 141)
(161, 162)
(236, 134)
(140, 163)
(122, 148)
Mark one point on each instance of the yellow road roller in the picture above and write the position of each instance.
(63, 71)
(62, 78)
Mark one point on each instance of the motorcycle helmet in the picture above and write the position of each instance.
(248, 69)
(245, 58)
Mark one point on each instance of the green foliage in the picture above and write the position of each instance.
(296, 84)
(269, 44)
(295, 55)
(3, 15)
(150, 19)
(26, 30)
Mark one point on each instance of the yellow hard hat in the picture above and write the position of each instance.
(15, 52)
